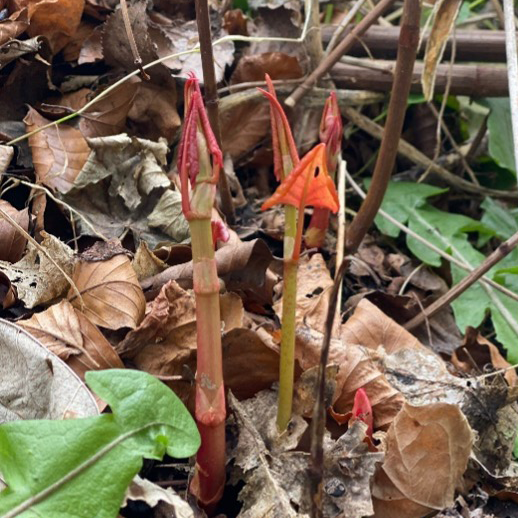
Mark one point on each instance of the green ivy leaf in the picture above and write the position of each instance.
(82, 467)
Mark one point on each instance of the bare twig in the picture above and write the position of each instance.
(396, 113)
(431, 246)
(502, 251)
(512, 67)
(131, 39)
(340, 240)
(337, 53)
(409, 38)
(211, 98)
(346, 20)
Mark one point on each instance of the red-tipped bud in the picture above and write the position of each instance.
(331, 131)
(362, 409)
(285, 156)
(219, 232)
(308, 184)
(199, 156)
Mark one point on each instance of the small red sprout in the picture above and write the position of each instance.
(362, 410)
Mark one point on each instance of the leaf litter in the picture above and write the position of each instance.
(443, 412)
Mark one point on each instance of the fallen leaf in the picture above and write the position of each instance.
(59, 152)
(57, 20)
(92, 49)
(146, 263)
(110, 291)
(15, 49)
(276, 64)
(477, 353)
(153, 112)
(73, 338)
(445, 14)
(168, 216)
(72, 49)
(6, 155)
(431, 440)
(36, 384)
(12, 242)
(235, 22)
(17, 23)
(8, 295)
(35, 277)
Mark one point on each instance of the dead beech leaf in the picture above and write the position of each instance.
(17, 22)
(445, 14)
(235, 22)
(72, 337)
(92, 49)
(58, 153)
(477, 352)
(8, 295)
(73, 47)
(57, 20)
(12, 243)
(35, 277)
(370, 327)
(6, 155)
(277, 65)
(146, 263)
(314, 285)
(111, 293)
(427, 452)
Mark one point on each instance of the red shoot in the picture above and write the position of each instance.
(362, 409)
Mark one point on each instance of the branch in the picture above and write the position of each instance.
(211, 99)
(503, 250)
(408, 41)
(337, 52)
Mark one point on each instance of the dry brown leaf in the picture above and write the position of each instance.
(58, 153)
(276, 64)
(371, 328)
(110, 291)
(57, 20)
(72, 50)
(477, 352)
(92, 49)
(12, 242)
(235, 22)
(314, 285)
(445, 15)
(70, 335)
(6, 155)
(427, 452)
(153, 111)
(8, 295)
(17, 22)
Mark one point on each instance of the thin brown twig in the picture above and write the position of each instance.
(502, 251)
(338, 51)
(211, 99)
(408, 41)
(131, 39)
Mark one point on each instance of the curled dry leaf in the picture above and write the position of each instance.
(35, 277)
(477, 353)
(277, 65)
(8, 295)
(12, 242)
(57, 20)
(424, 444)
(445, 15)
(58, 153)
(6, 155)
(13, 26)
(110, 291)
(72, 337)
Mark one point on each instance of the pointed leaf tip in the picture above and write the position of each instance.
(308, 184)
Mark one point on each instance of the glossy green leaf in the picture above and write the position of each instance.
(501, 147)
(82, 467)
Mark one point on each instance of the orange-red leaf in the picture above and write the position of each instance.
(309, 184)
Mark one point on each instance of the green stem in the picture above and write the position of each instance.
(209, 479)
(289, 305)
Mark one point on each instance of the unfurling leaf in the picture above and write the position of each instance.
(53, 468)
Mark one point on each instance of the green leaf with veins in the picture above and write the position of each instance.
(82, 467)
(407, 203)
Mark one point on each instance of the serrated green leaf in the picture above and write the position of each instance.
(80, 468)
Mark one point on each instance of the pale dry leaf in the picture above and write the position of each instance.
(72, 337)
(432, 439)
(6, 155)
(168, 216)
(17, 23)
(110, 291)
(146, 263)
(445, 14)
(92, 49)
(57, 20)
(36, 384)
(12, 242)
(35, 277)
(8, 295)
(59, 152)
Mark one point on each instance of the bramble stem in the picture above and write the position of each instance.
(209, 479)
